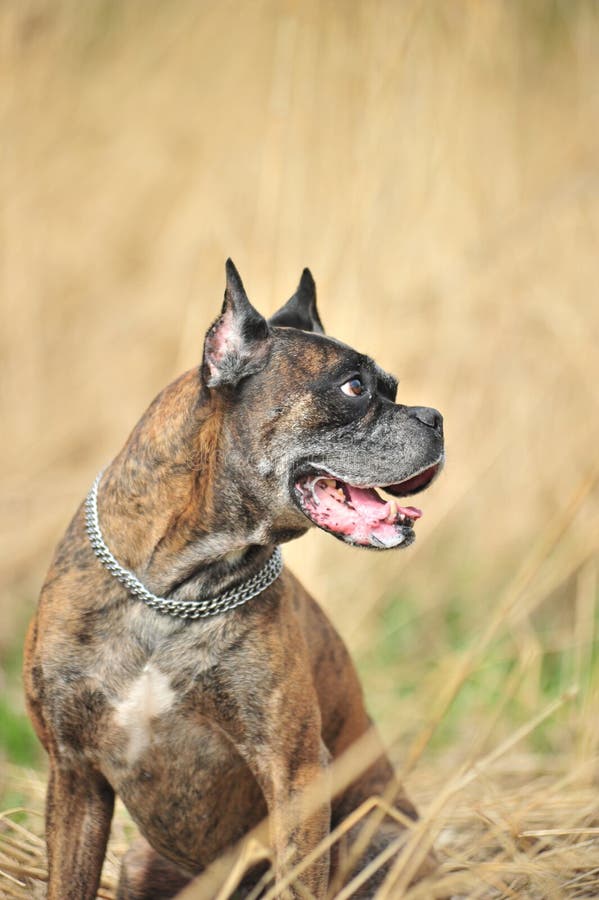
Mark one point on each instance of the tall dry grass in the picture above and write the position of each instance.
(437, 166)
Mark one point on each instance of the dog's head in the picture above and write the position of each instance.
(311, 429)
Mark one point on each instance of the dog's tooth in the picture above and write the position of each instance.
(312, 486)
(392, 512)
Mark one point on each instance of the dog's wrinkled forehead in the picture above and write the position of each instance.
(319, 358)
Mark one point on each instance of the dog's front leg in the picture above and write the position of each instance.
(79, 807)
(295, 786)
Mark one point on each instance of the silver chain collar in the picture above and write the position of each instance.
(183, 609)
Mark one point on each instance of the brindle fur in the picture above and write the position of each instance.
(204, 727)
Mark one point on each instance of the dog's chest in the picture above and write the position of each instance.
(158, 709)
(155, 727)
(138, 690)
(138, 711)
(174, 770)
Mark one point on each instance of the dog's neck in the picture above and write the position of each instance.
(203, 606)
(171, 536)
(205, 565)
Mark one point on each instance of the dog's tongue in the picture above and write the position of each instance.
(368, 502)
(360, 513)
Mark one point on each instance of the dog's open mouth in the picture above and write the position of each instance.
(359, 515)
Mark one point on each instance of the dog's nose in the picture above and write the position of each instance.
(428, 416)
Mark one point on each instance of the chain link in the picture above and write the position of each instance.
(184, 609)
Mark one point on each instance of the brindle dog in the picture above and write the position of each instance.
(205, 726)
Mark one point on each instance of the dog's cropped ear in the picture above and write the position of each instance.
(300, 310)
(238, 343)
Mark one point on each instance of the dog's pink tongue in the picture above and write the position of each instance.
(412, 512)
(368, 502)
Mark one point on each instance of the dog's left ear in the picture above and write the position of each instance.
(300, 310)
(238, 343)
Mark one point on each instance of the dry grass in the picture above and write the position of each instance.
(512, 826)
(437, 166)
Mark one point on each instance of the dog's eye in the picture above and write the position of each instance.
(353, 387)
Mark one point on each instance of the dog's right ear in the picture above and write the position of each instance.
(238, 343)
(300, 310)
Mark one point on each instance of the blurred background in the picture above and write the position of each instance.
(436, 165)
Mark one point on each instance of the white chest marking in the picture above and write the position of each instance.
(149, 696)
